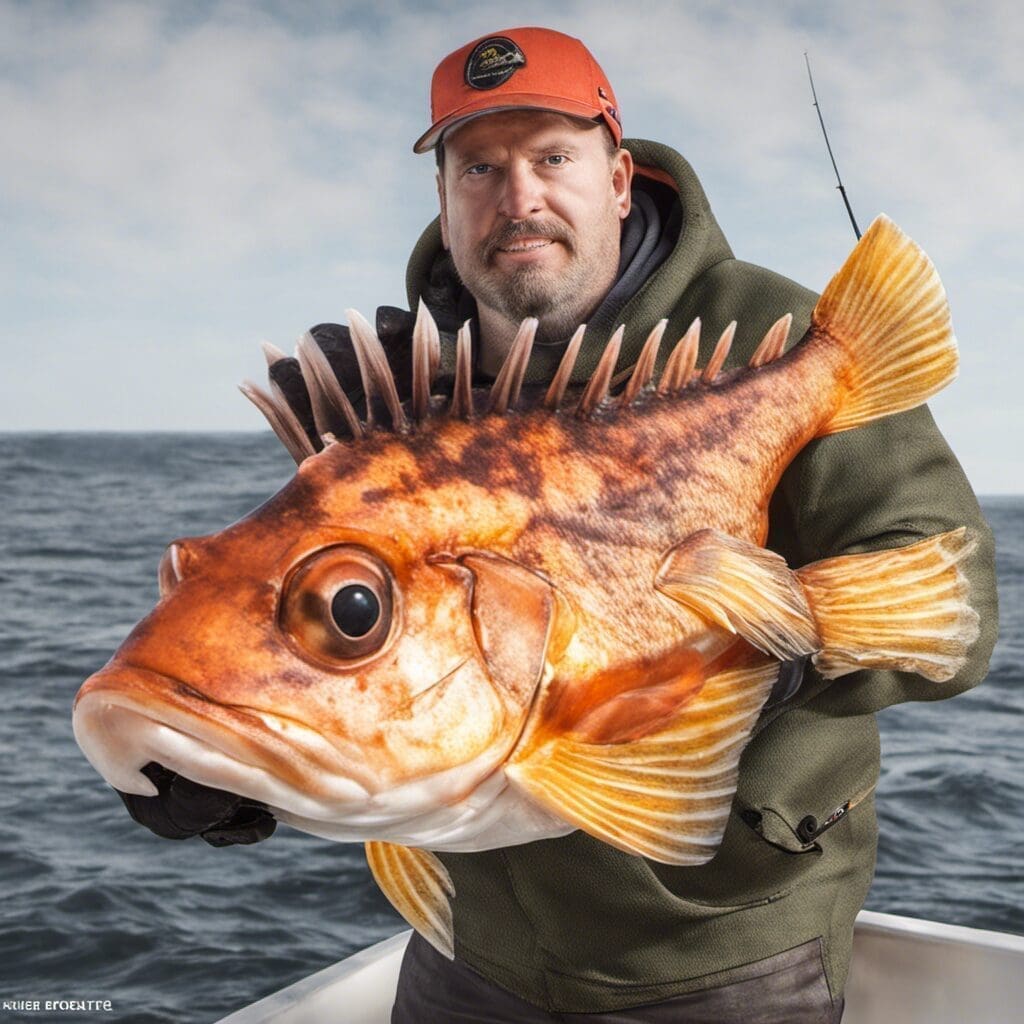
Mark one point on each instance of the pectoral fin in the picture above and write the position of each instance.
(419, 887)
(667, 795)
(745, 589)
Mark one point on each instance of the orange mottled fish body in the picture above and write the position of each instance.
(473, 628)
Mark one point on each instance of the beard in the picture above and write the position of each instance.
(560, 299)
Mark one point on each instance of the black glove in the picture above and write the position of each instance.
(183, 809)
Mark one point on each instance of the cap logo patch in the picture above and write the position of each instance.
(493, 62)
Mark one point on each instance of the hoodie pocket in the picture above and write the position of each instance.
(748, 870)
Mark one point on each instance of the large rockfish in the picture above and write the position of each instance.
(490, 618)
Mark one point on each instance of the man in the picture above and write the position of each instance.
(546, 212)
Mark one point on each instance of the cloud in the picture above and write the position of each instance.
(214, 138)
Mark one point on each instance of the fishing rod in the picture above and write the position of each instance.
(842, 190)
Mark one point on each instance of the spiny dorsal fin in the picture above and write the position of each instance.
(378, 380)
(282, 420)
(462, 394)
(720, 354)
(597, 386)
(681, 363)
(773, 344)
(506, 387)
(644, 369)
(426, 357)
(556, 392)
(332, 411)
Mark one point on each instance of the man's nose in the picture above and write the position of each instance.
(523, 194)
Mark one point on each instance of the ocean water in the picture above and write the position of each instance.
(94, 907)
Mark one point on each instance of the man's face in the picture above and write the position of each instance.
(531, 209)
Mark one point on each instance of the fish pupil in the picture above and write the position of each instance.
(355, 609)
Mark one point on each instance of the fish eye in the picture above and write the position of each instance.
(339, 604)
(355, 609)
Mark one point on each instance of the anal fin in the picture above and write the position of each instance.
(746, 589)
(667, 795)
(419, 888)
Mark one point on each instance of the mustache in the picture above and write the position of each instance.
(512, 231)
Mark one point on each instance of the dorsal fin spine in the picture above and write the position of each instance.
(462, 394)
(597, 386)
(506, 387)
(434, 338)
(327, 398)
(282, 420)
(426, 348)
(644, 369)
(720, 354)
(271, 353)
(375, 371)
(679, 368)
(556, 392)
(773, 344)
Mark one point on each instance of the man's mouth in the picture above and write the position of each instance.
(526, 245)
(526, 240)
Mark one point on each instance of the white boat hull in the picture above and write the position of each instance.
(904, 971)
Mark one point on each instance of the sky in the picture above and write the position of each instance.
(182, 180)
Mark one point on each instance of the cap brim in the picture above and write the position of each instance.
(513, 101)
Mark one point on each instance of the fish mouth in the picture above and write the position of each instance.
(129, 718)
(186, 765)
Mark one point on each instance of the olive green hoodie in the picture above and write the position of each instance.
(574, 925)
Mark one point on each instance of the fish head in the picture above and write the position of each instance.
(349, 658)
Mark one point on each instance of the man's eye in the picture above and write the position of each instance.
(478, 169)
(556, 159)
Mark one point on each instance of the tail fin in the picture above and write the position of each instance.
(887, 309)
(903, 608)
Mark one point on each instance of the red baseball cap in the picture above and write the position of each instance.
(532, 68)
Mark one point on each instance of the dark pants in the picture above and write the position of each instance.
(789, 988)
